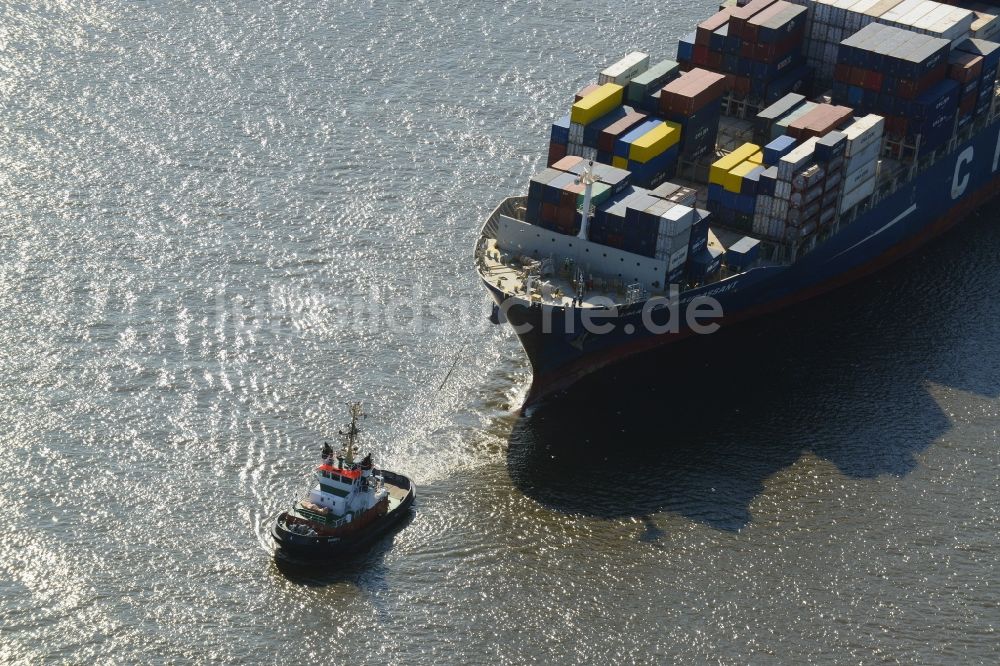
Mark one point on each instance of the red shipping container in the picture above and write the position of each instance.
(607, 137)
(842, 73)
(872, 81)
(772, 53)
(549, 212)
(567, 163)
(701, 55)
(692, 91)
(857, 77)
(906, 89)
(703, 34)
(565, 215)
(964, 67)
(819, 121)
(714, 61)
(936, 75)
(741, 86)
(895, 126)
(557, 151)
(569, 229)
(968, 103)
(740, 15)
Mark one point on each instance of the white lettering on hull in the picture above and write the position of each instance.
(958, 186)
(996, 154)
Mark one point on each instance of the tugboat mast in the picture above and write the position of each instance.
(350, 438)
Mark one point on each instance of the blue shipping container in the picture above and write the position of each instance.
(777, 149)
(685, 47)
(699, 231)
(741, 254)
(560, 130)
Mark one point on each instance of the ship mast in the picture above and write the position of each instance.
(350, 438)
(587, 179)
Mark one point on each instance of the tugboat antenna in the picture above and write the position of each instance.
(350, 437)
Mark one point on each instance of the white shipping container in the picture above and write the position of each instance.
(858, 160)
(947, 22)
(625, 70)
(986, 26)
(900, 10)
(580, 150)
(796, 159)
(833, 181)
(880, 8)
(861, 174)
(781, 209)
(830, 53)
(910, 19)
(821, 12)
(863, 132)
(854, 197)
(675, 220)
(670, 244)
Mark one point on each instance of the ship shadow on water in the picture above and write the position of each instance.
(697, 430)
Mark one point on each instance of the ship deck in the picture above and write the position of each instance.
(504, 273)
(396, 496)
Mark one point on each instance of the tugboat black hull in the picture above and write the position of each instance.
(291, 545)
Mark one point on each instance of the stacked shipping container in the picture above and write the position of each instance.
(733, 181)
(798, 195)
(902, 76)
(693, 101)
(555, 196)
(758, 46)
(831, 21)
(601, 128)
(661, 223)
(909, 64)
(864, 140)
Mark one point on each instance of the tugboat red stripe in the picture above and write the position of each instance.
(349, 473)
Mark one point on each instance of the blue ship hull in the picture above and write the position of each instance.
(561, 350)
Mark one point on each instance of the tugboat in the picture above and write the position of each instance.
(349, 505)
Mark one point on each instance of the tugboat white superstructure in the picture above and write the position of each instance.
(347, 506)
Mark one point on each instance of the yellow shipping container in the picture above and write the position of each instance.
(654, 142)
(619, 162)
(733, 180)
(602, 101)
(757, 158)
(724, 165)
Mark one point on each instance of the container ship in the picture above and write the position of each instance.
(788, 148)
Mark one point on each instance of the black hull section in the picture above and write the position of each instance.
(960, 180)
(298, 547)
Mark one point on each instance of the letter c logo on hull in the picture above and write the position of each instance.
(958, 186)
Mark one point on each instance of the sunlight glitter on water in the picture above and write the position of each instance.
(198, 203)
